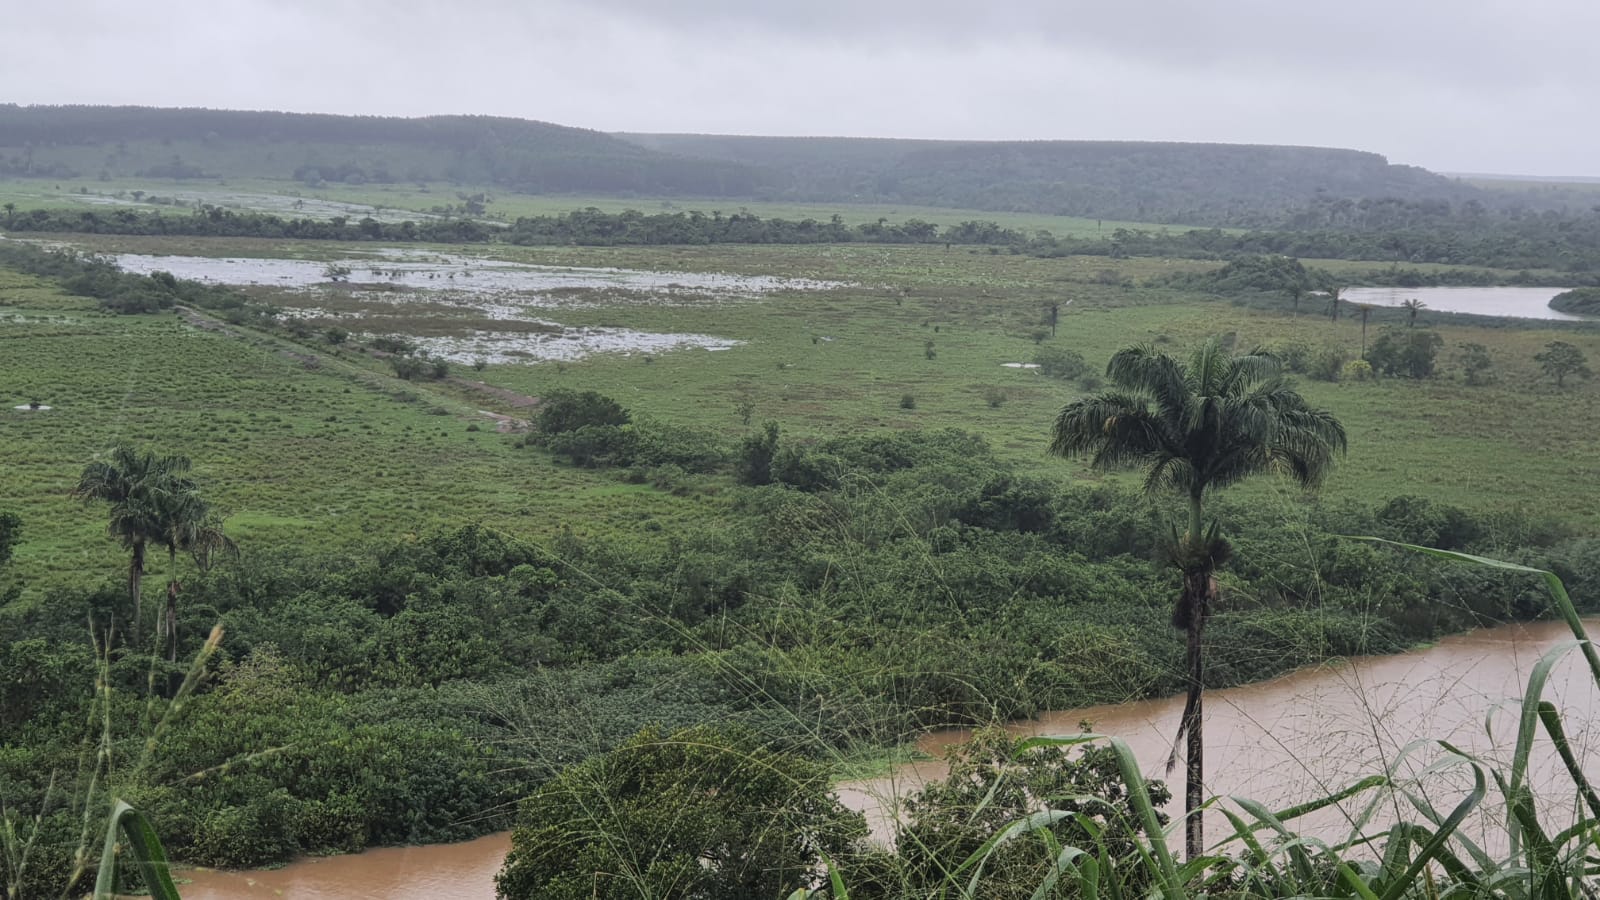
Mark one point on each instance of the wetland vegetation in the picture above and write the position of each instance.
(786, 504)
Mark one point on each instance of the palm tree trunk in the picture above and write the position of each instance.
(135, 576)
(171, 616)
(1194, 761)
(1195, 599)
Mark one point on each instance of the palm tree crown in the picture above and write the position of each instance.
(147, 494)
(1205, 425)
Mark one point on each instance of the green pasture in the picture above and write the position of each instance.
(340, 451)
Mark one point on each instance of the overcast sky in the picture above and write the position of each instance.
(1459, 86)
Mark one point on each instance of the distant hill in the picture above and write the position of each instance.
(1226, 184)
(517, 154)
(1197, 184)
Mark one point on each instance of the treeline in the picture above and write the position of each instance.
(1566, 243)
(586, 227)
(118, 291)
(214, 221)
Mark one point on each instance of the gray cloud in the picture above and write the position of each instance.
(1473, 85)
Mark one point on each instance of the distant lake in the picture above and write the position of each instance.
(1517, 302)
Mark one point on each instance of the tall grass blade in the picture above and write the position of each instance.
(148, 855)
(1551, 719)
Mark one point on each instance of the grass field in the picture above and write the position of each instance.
(335, 450)
(278, 196)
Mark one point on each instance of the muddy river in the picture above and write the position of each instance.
(1282, 741)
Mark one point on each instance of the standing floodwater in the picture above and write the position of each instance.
(1512, 302)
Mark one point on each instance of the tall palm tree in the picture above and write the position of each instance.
(1366, 310)
(187, 524)
(1412, 307)
(1194, 428)
(142, 489)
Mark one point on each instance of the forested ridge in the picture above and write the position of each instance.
(1196, 184)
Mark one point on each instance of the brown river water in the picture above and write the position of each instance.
(1283, 741)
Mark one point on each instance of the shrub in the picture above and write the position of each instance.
(908, 401)
(1405, 352)
(1059, 362)
(391, 343)
(567, 410)
(704, 813)
(407, 367)
(1296, 356)
(1328, 364)
(1357, 370)
(756, 452)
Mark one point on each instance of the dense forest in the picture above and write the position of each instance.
(1200, 184)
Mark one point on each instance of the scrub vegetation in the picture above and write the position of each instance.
(653, 599)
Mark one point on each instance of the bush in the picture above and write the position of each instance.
(1357, 370)
(991, 785)
(703, 813)
(753, 465)
(407, 368)
(391, 343)
(1405, 352)
(564, 410)
(1296, 356)
(1327, 365)
(1059, 362)
(908, 401)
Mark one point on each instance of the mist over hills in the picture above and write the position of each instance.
(1199, 184)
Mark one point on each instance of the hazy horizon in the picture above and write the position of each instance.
(1475, 87)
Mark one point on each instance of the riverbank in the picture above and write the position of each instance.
(1301, 735)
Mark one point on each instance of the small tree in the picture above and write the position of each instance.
(1059, 362)
(1475, 364)
(1561, 359)
(1408, 353)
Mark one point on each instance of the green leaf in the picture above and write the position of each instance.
(147, 854)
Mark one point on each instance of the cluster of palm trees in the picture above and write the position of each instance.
(154, 502)
(1192, 428)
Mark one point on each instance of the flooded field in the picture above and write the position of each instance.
(446, 300)
(284, 205)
